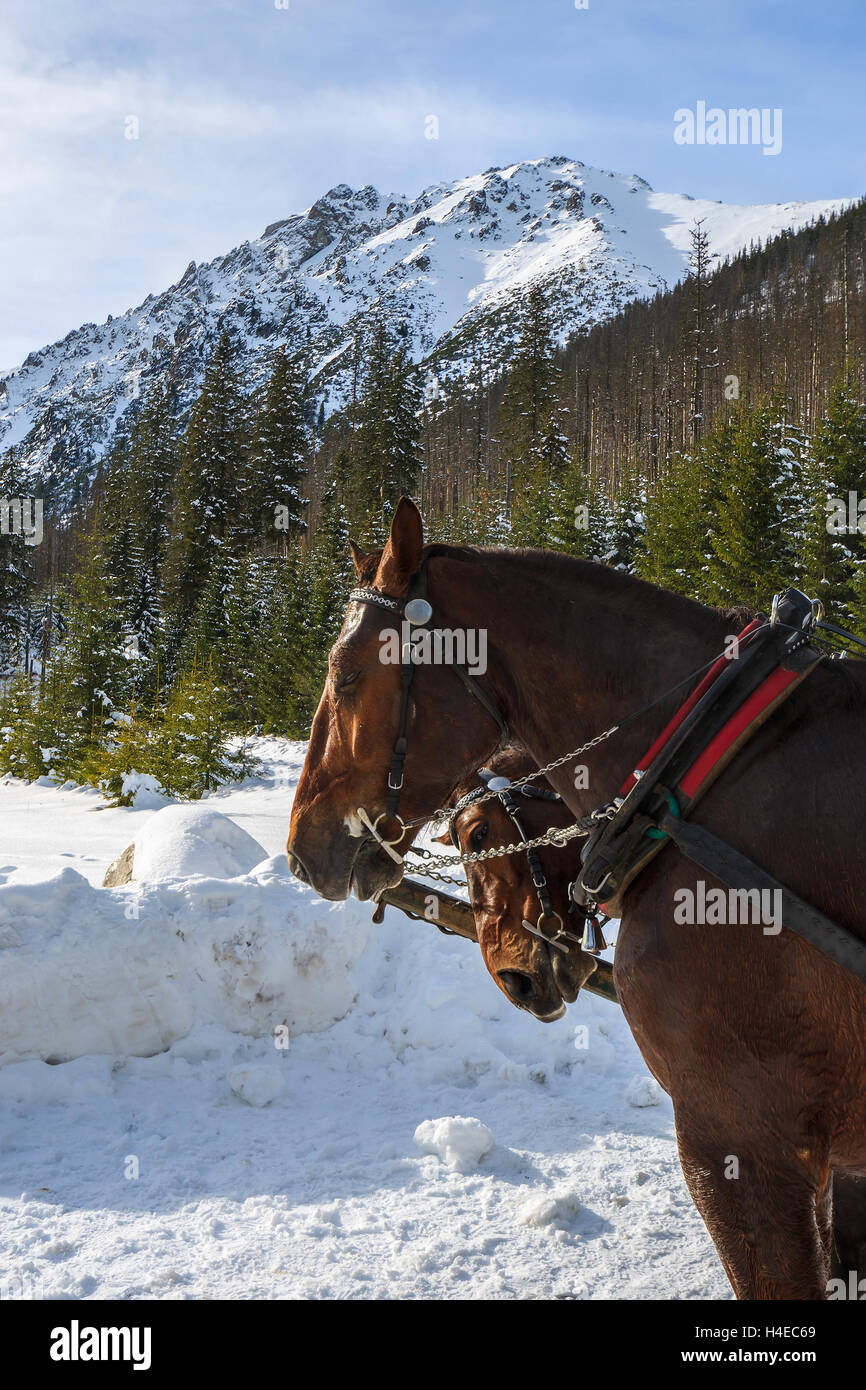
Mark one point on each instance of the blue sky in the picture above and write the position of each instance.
(247, 112)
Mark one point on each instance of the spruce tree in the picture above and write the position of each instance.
(531, 394)
(385, 459)
(839, 450)
(205, 510)
(273, 499)
(89, 678)
(753, 539)
(15, 570)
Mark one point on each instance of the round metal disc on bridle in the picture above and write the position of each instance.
(418, 611)
(498, 784)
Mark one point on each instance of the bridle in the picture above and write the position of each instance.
(416, 610)
(505, 795)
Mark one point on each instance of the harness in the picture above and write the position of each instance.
(730, 703)
(554, 935)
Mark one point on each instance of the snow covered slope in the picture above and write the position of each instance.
(451, 266)
(418, 1137)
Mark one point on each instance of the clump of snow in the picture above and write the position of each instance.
(556, 1209)
(458, 1140)
(643, 1090)
(193, 841)
(258, 1083)
(145, 791)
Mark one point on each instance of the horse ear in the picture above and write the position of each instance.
(443, 839)
(359, 558)
(401, 557)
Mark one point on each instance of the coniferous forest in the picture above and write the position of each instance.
(703, 440)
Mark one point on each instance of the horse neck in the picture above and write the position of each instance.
(573, 648)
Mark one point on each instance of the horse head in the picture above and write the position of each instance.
(343, 788)
(532, 972)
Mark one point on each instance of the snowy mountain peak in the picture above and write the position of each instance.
(451, 265)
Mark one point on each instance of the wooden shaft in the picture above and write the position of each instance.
(420, 900)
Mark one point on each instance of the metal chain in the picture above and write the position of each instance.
(559, 838)
(445, 813)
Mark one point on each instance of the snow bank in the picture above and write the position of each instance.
(129, 971)
(193, 841)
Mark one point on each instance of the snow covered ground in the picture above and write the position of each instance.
(159, 1139)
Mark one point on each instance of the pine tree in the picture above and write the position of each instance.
(281, 652)
(385, 459)
(628, 523)
(839, 450)
(530, 400)
(89, 679)
(826, 566)
(676, 548)
(205, 512)
(752, 543)
(699, 354)
(25, 737)
(15, 570)
(191, 755)
(274, 502)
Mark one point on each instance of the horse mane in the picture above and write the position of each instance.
(603, 578)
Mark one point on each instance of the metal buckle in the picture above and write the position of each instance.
(394, 787)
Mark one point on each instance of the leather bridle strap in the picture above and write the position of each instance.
(417, 590)
(507, 800)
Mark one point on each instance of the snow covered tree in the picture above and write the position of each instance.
(753, 538)
(206, 488)
(89, 678)
(627, 523)
(532, 391)
(273, 487)
(385, 458)
(15, 569)
(191, 753)
(25, 735)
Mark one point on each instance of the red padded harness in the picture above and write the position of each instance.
(757, 705)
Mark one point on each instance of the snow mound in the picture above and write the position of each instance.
(549, 1209)
(258, 1084)
(193, 841)
(643, 1090)
(459, 1141)
(129, 971)
(146, 791)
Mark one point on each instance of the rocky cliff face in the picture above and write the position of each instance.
(449, 267)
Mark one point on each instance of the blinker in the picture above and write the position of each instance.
(418, 612)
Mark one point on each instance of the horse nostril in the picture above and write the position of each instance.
(519, 987)
(298, 869)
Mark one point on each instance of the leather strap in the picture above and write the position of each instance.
(730, 866)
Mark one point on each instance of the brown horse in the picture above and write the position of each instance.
(534, 975)
(503, 898)
(759, 1039)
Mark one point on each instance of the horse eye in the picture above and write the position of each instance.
(479, 835)
(341, 682)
